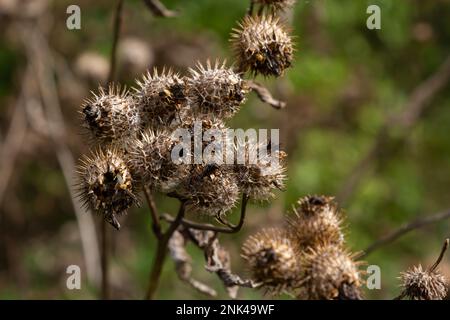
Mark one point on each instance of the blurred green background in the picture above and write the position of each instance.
(345, 82)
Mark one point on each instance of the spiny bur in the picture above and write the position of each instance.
(215, 89)
(161, 97)
(106, 184)
(316, 221)
(150, 158)
(272, 260)
(259, 170)
(111, 116)
(329, 272)
(209, 189)
(428, 284)
(262, 46)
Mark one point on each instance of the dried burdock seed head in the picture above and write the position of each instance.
(106, 184)
(259, 170)
(275, 5)
(111, 116)
(272, 260)
(216, 90)
(263, 46)
(316, 222)
(429, 284)
(161, 97)
(150, 159)
(210, 189)
(210, 138)
(329, 272)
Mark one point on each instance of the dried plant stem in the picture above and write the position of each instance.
(416, 224)
(105, 245)
(115, 41)
(104, 259)
(156, 225)
(158, 9)
(161, 253)
(209, 227)
(441, 255)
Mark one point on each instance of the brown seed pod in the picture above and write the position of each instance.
(210, 141)
(262, 45)
(429, 284)
(210, 189)
(329, 272)
(161, 97)
(259, 173)
(316, 222)
(272, 260)
(216, 90)
(275, 5)
(420, 284)
(111, 117)
(106, 184)
(150, 159)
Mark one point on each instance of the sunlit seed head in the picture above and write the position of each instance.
(316, 221)
(215, 89)
(259, 176)
(111, 117)
(106, 184)
(161, 97)
(210, 189)
(262, 46)
(150, 158)
(272, 260)
(420, 284)
(329, 272)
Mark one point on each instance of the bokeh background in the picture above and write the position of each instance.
(355, 127)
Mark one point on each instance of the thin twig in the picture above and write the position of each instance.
(156, 225)
(105, 259)
(161, 253)
(441, 255)
(264, 95)
(116, 35)
(209, 227)
(158, 9)
(416, 224)
(417, 103)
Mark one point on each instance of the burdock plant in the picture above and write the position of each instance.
(135, 137)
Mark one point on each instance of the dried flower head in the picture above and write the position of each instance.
(106, 184)
(316, 222)
(161, 97)
(210, 189)
(111, 116)
(262, 45)
(272, 260)
(275, 5)
(150, 159)
(419, 284)
(216, 90)
(429, 284)
(210, 138)
(259, 170)
(329, 272)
